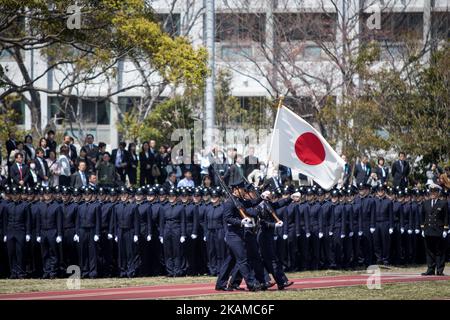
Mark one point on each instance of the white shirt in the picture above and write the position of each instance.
(186, 183)
(65, 165)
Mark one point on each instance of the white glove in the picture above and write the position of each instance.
(342, 236)
(182, 239)
(27, 238)
(402, 230)
(161, 240)
(76, 238)
(417, 231)
(391, 231)
(409, 231)
(149, 238)
(279, 224)
(5, 238)
(96, 238)
(265, 195)
(116, 239)
(38, 239)
(248, 225)
(372, 230)
(275, 238)
(320, 235)
(110, 236)
(308, 235)
(245, 221)
(444, 234)
(350, 234)
(193, 236)
(330, 233)
(360, 233)
(285, 236)
(204, 238)
(423, 233)
(58, 239)
(135, 238)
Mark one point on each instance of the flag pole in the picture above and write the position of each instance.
(278, 106)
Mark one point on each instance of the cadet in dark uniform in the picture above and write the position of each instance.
(70, 211)
(384, 226)
(192, 226)
(200, 244)
(337, 229)
(126, 232)
(314, 219)
(303, 233)
(351, 224)
(87, 228)
(326, 240)
(143, 253)
(407, 223)
(215, 233)
(105, 243)
(396, 244)
(434, 230)
(173, 224)
(33, 252)
(158, 265)
(17, 223)
(4, 267)
(291, 228)
(49, 232)
(235, 236)
(364, 205)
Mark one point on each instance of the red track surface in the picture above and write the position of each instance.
(202, 289)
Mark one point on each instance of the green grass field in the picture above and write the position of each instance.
(419, 290)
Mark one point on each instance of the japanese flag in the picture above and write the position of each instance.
(296, 144)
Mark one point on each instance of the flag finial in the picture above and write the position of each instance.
(280, 102)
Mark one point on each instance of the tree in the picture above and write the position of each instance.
(110, 31)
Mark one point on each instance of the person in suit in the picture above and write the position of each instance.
(11, 144)
(121, 159)
(134, 162)
(251, 162)
(235, 172)
(43, 146)
(346, 172)
(79, 179)
(146, 161)
(29, 148)
(382, 171)
(42, 169)
(171, 181)
(362, 171)
(72, 155)
(51, 143)
(91, 151)
(434, 224)
(400, 171)
(20, 173)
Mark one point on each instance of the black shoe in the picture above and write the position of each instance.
(218, 288)
(270, 284)
(238, 288)
(254, 288)
(428, 273)
(441, 274)
(285, 285)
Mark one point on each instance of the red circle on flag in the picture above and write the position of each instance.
(309, 149)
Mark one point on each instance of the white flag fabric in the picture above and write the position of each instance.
(296, 144)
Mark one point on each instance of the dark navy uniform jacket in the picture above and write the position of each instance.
(233, 217)
(70, 211)
(416, 214)
(201, 215)
(337, 225)
(315, 217)
(3, 205)
(383, 211)
(397, 212)
(50, 216)
(324, 227)
(18, 218)
(126, 217)
(434, 218)
(291, 223)
(366, 215)
(191, 212)
(106, 216)
(303, 217)
(173, 217)
(88, 217)
(351, 217)
(406, 216)
(145, 215)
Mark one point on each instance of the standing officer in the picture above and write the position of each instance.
(384, 226)
(173, 224)
(291, 228)
(400, 171)
(126, 232)
(191, 212)
(70, 211)
(4, 268)
(314, 219)
(364, 205)
(200, 245)
(434, 229)
(397, 212)
(143, 254)
(17, 233)
(87, 232)
(49, 231)
(337, 229)
(326, 241)
(105, 245)
(215, 233)
(158, 265)
(34, 254)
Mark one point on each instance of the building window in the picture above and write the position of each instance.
(240, 27)
(312, 53)
(19, 108)
(305, 27)
(440, 25)
(394, 27)
(93, 110)
(127, 104)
